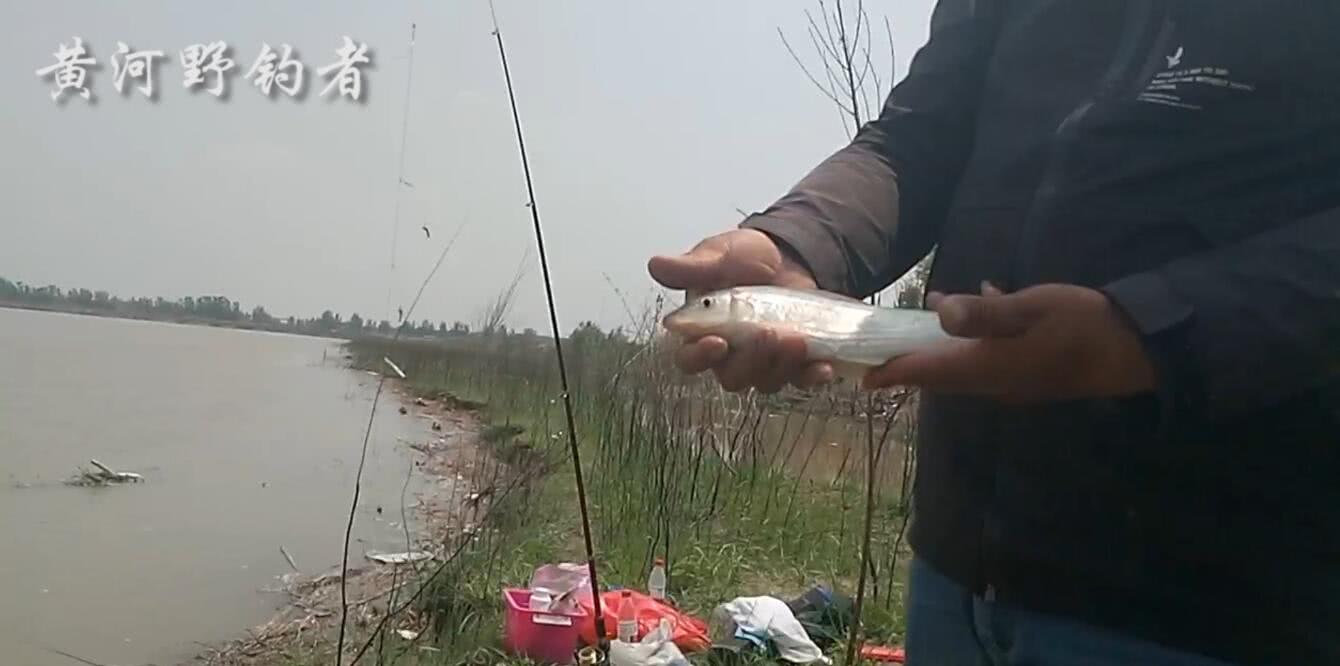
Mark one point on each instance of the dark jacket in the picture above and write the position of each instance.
(1184, 158)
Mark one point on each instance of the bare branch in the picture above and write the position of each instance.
(844, 44)
(866, 65)
(841, 23)
(806, 70)
(844, 116)
(893, 56)
(828, 45)
(847, 67)
(860, 14)
(828, 28)
(834, 80)
(867, 69)
(834, 83)
(868, 60)
(879, 97)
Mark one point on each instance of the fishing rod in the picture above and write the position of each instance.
(601, 640)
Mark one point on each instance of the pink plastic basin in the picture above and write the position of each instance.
(549, 638)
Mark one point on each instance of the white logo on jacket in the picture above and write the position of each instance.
(1185, 88)
(1176, 58)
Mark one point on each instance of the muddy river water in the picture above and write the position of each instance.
(248, 442)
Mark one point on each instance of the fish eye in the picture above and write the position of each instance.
(707, 302)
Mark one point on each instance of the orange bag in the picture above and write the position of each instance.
(688, 633)
(883, 654)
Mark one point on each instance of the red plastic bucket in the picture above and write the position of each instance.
(546, 637)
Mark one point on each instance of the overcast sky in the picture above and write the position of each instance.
(648, 123)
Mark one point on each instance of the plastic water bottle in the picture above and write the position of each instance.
(656, 581)
(627, 618)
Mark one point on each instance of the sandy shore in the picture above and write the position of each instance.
(452, 463)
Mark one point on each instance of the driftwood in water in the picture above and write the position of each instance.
(102, 476)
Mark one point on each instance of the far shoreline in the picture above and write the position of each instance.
(180, 321)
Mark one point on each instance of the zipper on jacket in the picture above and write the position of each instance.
(1140, 22)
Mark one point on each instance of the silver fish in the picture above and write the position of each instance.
(852, 335)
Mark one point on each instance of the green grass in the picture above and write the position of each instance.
(674, 468)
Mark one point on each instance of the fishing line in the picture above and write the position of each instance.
(400, 173)
(363, 454)
(558, 345)
(447, 560)
(390, 289)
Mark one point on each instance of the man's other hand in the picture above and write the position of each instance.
(738, 258)
(1049, 342)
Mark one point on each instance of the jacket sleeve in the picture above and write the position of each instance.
(1244, 326)
(846, 220)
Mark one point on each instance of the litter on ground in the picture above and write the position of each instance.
(400, 558)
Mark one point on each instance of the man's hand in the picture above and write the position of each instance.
(737, 258)
(1049, 342)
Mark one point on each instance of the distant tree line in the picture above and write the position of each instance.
(218, 310)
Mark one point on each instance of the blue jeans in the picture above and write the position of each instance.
(948, 626)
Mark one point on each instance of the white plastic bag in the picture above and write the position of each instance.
(772, 619)
(565, 583)
(655, 649)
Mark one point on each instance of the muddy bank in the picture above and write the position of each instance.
(456, 470)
